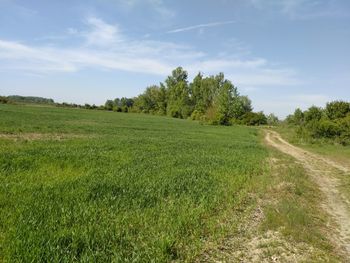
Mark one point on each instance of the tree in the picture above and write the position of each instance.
(179, 103)
(177, 75)
(246, 104)
(313, 114)
(109, 105)
(298, 117)
(162, 100)
(225, 103)
(148, 102)
(196, 93)
(240, 105)
(337, 109)
(272, 119)
(254, 118)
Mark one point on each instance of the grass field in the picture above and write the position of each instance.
(80, 185)
(95, 186)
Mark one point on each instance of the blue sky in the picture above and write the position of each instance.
(283, 54)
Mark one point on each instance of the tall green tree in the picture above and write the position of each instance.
(109, 105)
(224, 103)
(179, 103)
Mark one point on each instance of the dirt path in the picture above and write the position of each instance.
(323, 172)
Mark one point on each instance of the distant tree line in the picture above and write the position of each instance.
(212, 99)
(15, 99)
(331, 122)
(29, 99)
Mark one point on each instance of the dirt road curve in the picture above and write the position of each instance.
(322, 171)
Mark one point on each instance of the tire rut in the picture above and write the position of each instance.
(322, 171)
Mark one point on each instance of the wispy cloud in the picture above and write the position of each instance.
(101, 33)
(104, 46)
(199, 26)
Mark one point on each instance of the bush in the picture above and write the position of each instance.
(331, 123)
(313, 114)
(3, 100)
(211, 116)
(197, 115)
(337, 109)
(254, 119)
(327, 129)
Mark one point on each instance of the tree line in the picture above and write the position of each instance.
(329, 123)
(25, 99)
(211, 99)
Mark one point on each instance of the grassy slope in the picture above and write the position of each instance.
(122, 187)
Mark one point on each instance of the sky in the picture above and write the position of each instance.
(283, 54)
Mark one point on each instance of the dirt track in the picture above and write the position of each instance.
(322, 172)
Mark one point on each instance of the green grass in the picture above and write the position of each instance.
(118, 187)
(326, 148)
(336, 152)
(293, 210)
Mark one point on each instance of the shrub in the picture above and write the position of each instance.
(254, 119)
(211, 115)
(313, 113)
(337, 109)
(3, 100)
(196, 115)
(325, 128)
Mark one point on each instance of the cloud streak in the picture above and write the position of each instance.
(199, 26)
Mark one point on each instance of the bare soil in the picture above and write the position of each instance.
(324, 172)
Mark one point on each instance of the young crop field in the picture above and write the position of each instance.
(80, 185)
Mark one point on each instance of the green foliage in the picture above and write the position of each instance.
(298, 116)
(118, 188)
(331, 123)
(4, 100)
(197, 115)
(254, 119)
(313, 114)
(225, 103)
(212, 99)
(178, 105)
(109, 105)
(323, 128)
(119, 104)
(272, 119)
(337, 109)
(30, 99)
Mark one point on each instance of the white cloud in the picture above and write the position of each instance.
(104, 46)
(101, 33)
(201, 26)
